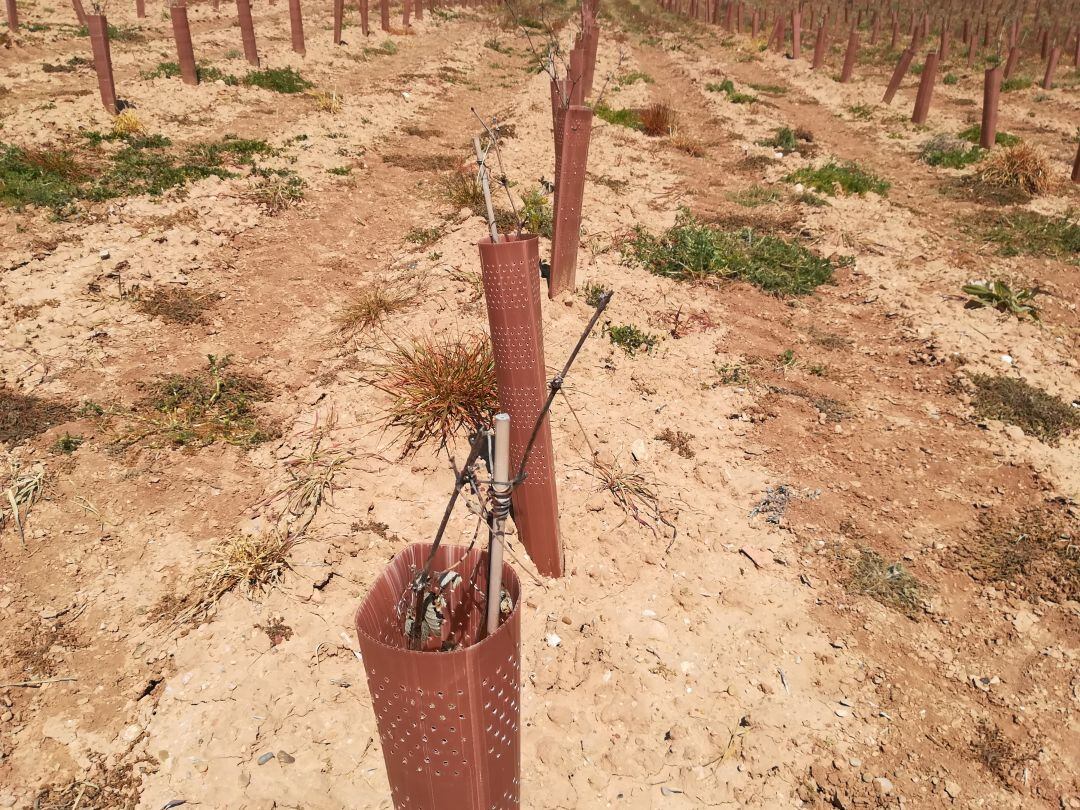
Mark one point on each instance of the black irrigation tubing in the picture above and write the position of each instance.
(557, 382)
(421, 579)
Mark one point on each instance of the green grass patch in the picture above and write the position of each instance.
(788, 140)
(973, 134)
(200, 408)
(1016, 83)
(624, 117)
(950, 152)
(593, 292)
(839, 178)
(950, 79)
(278, 80)
(768, 89)
(423, 237)
(755, 196)
(861, 112)
(693, 251)
(1029, 233)
(67, 444)
(388, 48)
(1015, 402)
(633, 77)
(727, 87)
(631, 339)
(57, 178)
(117, 33)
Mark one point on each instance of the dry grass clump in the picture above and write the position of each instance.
(1036, 554)
(101, 788)
(1021, 167)
(687, 143)
(248, 562)
(174, 304)
(1016, 402)
(24, 490)
(23, 416)
(891, 585)
(127, 123)
(678, 441)
(438, 387)
(636, 495)
(998, 754)
(422, 163)
(373, 304)
(327, 102)
(657, 119)
(200, 408)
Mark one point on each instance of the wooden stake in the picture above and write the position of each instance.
(485, 184)
(500, 484)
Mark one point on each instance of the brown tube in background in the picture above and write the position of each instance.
(140, 8)
(80, 12)
(796, 34)
(449, 722)
(363, 6)
(849, 56)
(577, 130)
(902, 67)
(1051, 66)
(247, 31)
(511, 276)
(819, 46)
(384, 15)
(296, 27)
(991, 95)
(1010, 63)
(1076, 166)
(926, 89)
(339, 19)
(185, 54)
(99, 44)
(592, 42)
(12, 15)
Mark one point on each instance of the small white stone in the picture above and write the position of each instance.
(553, 640)
(1006, 359)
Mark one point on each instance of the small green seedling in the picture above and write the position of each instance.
(1002, 297)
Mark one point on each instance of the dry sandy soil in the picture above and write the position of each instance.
(762, 656)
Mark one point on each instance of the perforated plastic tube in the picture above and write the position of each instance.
(449, 722)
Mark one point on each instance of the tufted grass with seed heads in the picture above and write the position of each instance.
(372, 304)
(438, 388)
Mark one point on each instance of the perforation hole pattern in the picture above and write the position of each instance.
(448, 722)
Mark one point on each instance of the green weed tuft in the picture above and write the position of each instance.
(278, 80)
(631, 339)
(693, 251)
(974, 135)
(1029, 233)
(839, 178)
(949, 152)
(1002, 297)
